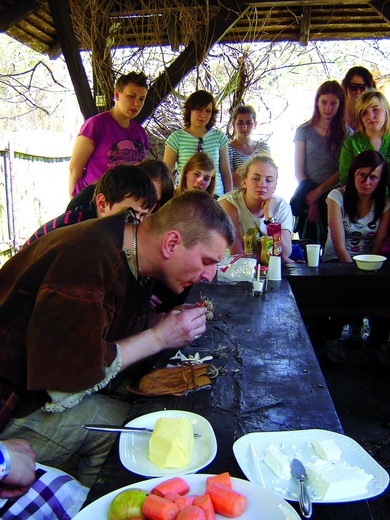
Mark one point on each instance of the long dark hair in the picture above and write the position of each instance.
(367, 159)
(359, 71)
(338, 127)
(200, 99)
(157, 169)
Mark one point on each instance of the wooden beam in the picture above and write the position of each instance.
(382, 8)
(304, 34)
(172, 31)
(193, 54)
(17, 12)
(66, 38)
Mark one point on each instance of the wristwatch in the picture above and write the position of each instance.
(269, 221)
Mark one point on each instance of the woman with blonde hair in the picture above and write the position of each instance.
(254, 204)
(198, 173)
(373, 125)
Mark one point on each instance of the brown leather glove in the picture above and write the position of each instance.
(177, 380)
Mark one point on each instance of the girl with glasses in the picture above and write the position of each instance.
(198, 135)
(242, 146)
(317, 148)
(356, 81)
(373, 131)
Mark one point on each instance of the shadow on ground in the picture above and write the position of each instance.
(360, 389)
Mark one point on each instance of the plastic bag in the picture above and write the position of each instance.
(236, 268)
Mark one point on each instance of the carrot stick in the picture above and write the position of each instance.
(222, 478)
(158, 508)
(191, 513)
(172, 485)
(226, 501)
(183, 502)
(172, 496)
(205, 503)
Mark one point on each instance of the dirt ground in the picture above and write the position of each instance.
(360, 389)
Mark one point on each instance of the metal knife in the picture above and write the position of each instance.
(298, 471)
(121, 429)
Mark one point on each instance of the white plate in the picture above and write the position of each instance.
(134, 448)
(298, 444)
(260, 502)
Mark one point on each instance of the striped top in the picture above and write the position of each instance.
(237, 158)
(66, 219)
(186, 145)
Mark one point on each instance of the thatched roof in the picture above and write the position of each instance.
(190, 26)
(159, 22)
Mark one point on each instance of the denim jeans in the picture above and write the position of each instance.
(55, 437)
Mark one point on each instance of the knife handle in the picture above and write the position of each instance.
(304, 500)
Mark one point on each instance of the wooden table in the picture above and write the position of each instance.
(339, 289)
(270, 381)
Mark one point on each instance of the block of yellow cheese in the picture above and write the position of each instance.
(171, 443)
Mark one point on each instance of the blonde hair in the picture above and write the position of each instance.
(364, 100)
(261, 158)
(201, 161)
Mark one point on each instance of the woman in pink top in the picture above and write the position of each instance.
(112, 137)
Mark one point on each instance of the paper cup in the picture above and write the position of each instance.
(313, 254)
(275, 268)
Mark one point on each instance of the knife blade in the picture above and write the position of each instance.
(298, 471)
(121, 429)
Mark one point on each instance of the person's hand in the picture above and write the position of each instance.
(22, 473)
(154, 302)
(180, 326)
(314, 214)
(312, 197)
(269, 208)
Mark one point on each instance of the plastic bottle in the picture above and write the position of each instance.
(266, 249)
(365, 329)
(274, 230)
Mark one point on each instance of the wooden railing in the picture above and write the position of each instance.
(33, 190)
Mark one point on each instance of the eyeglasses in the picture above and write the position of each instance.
(354, 87)
(200, 144)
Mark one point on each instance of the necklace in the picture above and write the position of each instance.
(132, 256)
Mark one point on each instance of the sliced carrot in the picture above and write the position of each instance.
(222, 478)
(158, 508)
(226, 501)
(191, 513)
(205, 503)
(172, 496)
(172, 485)
(183, 502)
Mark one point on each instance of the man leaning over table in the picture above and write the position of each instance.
(68, 304)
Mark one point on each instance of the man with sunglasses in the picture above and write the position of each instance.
(356, 81)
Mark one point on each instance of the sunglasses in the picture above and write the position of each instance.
(354, 87)
(200, 144)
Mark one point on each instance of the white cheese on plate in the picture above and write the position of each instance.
(327, 449)
(278, 462)
(336, 480)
